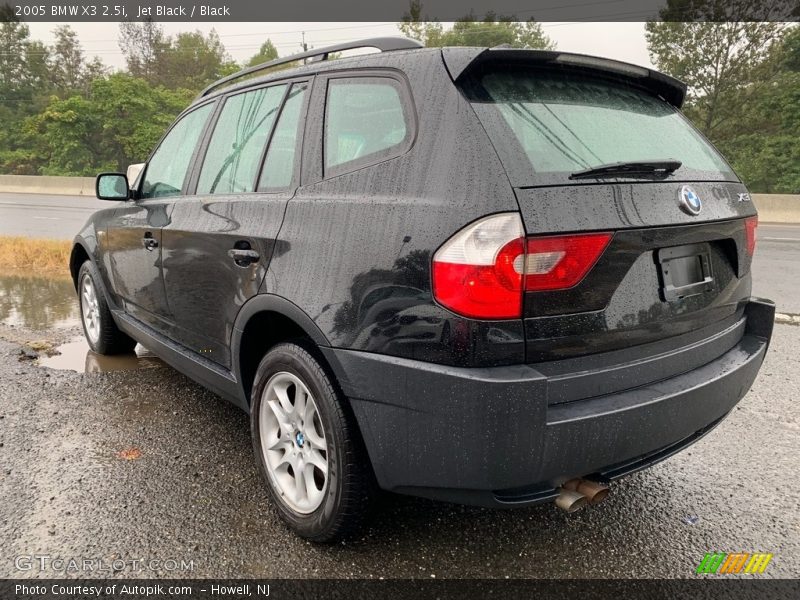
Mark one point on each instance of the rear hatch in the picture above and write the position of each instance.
(599, 147)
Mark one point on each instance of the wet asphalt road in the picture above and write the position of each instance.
(193, 493)
(776, 266)
(46, 216)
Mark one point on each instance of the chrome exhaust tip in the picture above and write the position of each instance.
(570, 501)
(595, 492)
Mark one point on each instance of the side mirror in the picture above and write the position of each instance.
(112, 186)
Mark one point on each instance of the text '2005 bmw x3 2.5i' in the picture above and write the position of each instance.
(488, 276)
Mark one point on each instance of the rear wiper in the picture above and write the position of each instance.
(624, 168)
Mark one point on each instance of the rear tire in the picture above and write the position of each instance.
(102, 333)
(308, 447)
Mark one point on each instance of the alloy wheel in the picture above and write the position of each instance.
(90, 309)
(293, 442)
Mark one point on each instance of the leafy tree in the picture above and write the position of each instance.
(415, 24)
(66, 60)
(266, 53)
(190, 60)
(24, 86)
(67, 136)
(764, 143)
(37, 66)
(717, 61)
(16, 84)
(94, 69)
(492, 30)
(194, 60)
(791, 50)
(118, 124)
(135, 115)
(142, 44)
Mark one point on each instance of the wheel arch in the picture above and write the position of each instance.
(79, 255)
(264, 321)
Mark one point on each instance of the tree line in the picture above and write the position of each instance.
(64, 113)
(743, 77)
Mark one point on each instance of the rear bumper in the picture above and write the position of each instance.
(495, 437)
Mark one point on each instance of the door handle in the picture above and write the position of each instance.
(244, 257)
(149, 242)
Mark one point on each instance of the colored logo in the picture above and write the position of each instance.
(733, 562)
(690, 201)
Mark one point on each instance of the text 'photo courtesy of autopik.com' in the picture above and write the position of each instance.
(418, 299)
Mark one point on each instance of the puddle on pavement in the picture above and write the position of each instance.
(76, 356)
(46, 303)
(37, 302)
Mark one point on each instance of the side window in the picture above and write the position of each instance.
(279, 163)
(364, 122)
(167, 168)
(236, 146)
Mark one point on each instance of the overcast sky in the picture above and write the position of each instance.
(623, 41)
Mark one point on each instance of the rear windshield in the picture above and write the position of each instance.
(549, 124)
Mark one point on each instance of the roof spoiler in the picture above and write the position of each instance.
(460, 61)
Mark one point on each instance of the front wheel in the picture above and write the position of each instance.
(101, 332)
(307, 447)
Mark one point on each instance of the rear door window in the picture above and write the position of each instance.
(366, 122)
(547, 124)
(237, 144)
(279, 164)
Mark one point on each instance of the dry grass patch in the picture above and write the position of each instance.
(21, 255)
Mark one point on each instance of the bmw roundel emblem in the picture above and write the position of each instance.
(690, 201)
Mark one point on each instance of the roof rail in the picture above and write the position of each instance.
(384, 44)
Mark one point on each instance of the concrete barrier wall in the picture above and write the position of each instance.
(33, 184)
(772, 208)
(778, 208)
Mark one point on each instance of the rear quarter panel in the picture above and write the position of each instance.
(354, 252)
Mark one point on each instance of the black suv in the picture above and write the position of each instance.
(489, 276)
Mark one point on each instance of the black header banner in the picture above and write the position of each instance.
(65, 11)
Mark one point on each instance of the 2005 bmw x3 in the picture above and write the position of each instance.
(489, 276)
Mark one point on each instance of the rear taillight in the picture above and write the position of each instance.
(750, 225)
(482, 271)
(477, 272)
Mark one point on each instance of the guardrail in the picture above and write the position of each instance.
(772, 208)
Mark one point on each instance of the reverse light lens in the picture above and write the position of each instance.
(484, 269)
(561, 262)
(750, 226)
